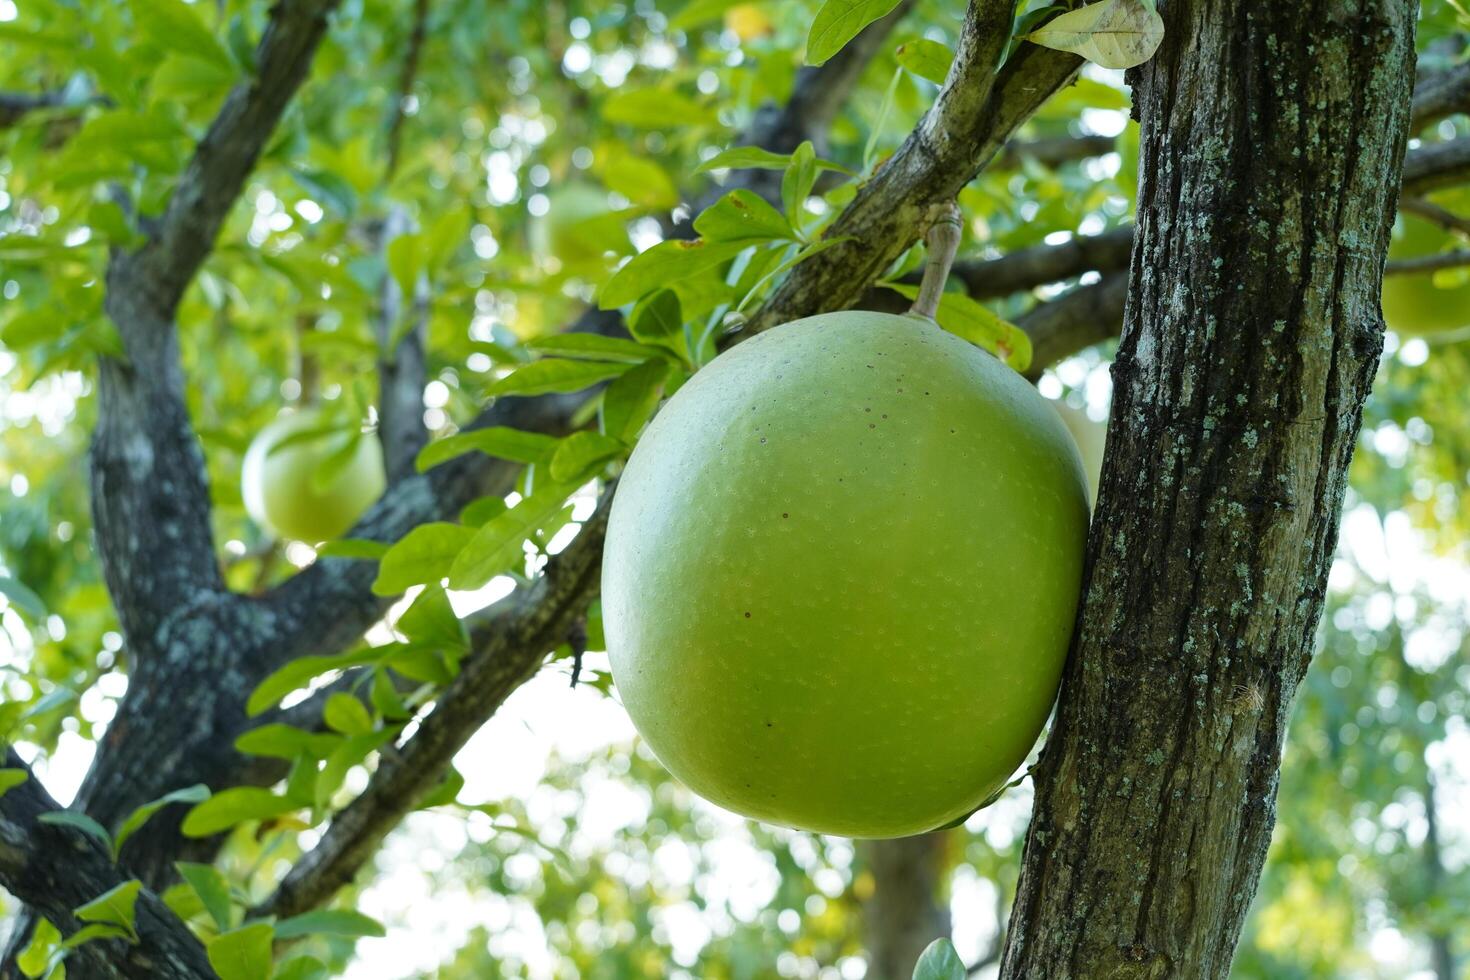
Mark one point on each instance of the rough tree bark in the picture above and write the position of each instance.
(1271, 147)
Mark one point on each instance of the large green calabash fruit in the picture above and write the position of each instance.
(841, 573)
(280, 485)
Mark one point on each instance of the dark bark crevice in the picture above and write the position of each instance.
(1270, 152)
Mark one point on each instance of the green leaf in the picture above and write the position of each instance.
(278, 741)
(359, 548)
(592, 347)
(49, 702)
(78, 821)
(554, 375)
(330, 922)
(212, 888)
(497, 547)
(234, 805)
(658, 319)
(1111, 33)
(97, 930)
(446, 793)
(939, 961)
(385, 697)
(301, 671)
(496, 440)
(34, 959)
(22, 598)
(649, 108)
(177, 26)
(424, 554)
(743, 216)
(663, 264)
(244, 954)
(755, 158)
(630, 401)
(431, 621)
(697, 12)
(346, 714)
(801, 255)
(838, 22)
(580, 452)
(796, 183)
(114, 907)
(302, 968)
(11, 778)
(977, 323)
(477, 512)
(870, 149)
(197, 793)
(333, 192)
(352, 751)
(641, 181)
(928, 59)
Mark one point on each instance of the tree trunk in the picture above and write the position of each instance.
(905, 913)
(1272, 141)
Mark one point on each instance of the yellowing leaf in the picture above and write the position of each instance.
(1113, 33)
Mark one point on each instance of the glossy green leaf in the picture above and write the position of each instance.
(497, 547)
(330, 922)
(114, 907)
(579, 453)
(658, 319)
(796, 183)
(647, 108)
(78, 821)
(302, 968)
(665, 263)
(756, 158)
(497, 440)
(554, 375)
(177, 26)
(839, 21)
(430, 621)
(197, 793)
(592, 347)
(977, 323)
(209, 883)
(299, 672)
(34, 959)
(424, 554)
(244, 954)
(630, 401)
(939, 961)
(231, 806)
(346, 714)
(928, 59)
(742, 216)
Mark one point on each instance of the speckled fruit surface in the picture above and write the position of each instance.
(1413, 304)
(841, 573)
(279, 490)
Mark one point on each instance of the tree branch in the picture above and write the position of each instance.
(509, 647)
(55, 869)
(1028, 268)
(1432, 166)
(1443, 217)
(225, 156)
(1439, 95)
(1054, 151)
(975, 113)
(416, 38)
(402, 366)
(1074, 321)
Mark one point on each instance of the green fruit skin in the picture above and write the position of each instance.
(841, 573)
(1091, 439)
(278, 486)
(1413, 304)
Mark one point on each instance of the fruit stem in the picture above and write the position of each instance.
(942, 241)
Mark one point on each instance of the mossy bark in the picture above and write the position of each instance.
(1272, 141)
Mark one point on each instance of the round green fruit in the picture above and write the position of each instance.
(840, 575)
(282, 490)
(1413, 304)
(1091, 439)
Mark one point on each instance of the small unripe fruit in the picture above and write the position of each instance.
(283, 491)
(841, 573)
